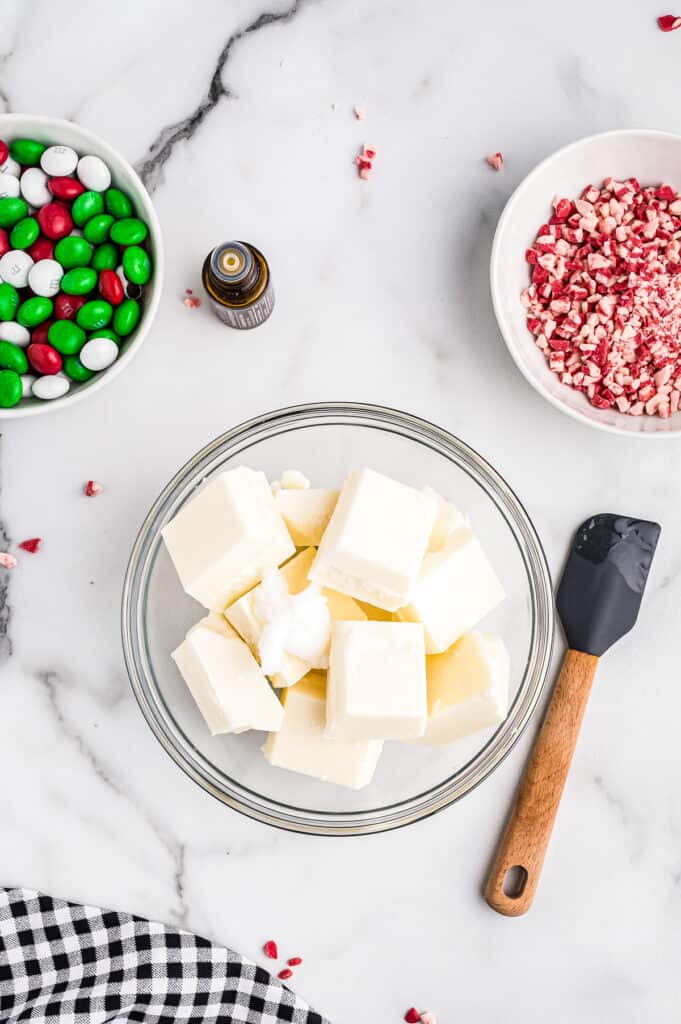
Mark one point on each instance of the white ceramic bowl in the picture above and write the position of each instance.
(53, 130)
(650, 156)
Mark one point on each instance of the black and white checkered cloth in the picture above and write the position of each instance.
(82, 965)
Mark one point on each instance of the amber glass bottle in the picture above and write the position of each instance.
(237, 279)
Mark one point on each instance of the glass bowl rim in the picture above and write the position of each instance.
(483, 763)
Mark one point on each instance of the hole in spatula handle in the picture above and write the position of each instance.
(515, 881)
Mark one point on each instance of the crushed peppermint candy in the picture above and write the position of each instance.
(92, 488)
(604, 302)
(285, 974)
(7, 561)
(495, 160)
(190, 300)
(271, 950)
(412, 1016)
(360, 113)
(668, 22)
(294, 961)
(428, 1018)
(365, 161)
(31, 545)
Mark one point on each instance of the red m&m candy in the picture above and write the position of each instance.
(4, 242)
(65, 188)
(43, 358)
(42, 249)
(55, 220)
(39, 333)
(111, 287)
(4, 152)
(66, 306)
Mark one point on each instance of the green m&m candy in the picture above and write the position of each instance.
(73, 251)
(10, 388)
(97, 228)
(9, 301)
(117, 203)
(105, 257)
(27, 151)
(126, 317)
(67, 337)
(105, 332)
(79, 281)
(12, 209)
(34, 311)
(136, 264)
(24, 233)
(74, 369)
(95, 314)
(88, 204)
(12, 357)
(129, 231)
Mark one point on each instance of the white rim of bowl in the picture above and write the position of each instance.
(149, 313)
(574, 414)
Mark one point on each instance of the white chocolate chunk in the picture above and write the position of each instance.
(376, 539)
(226, 538)
(243, 615)
(227, 683)
(447, 520)
(302, 746)
(218, 623)
(455, 589)
(376, 681)
(468, 688)
(306, 513)
(294, 480)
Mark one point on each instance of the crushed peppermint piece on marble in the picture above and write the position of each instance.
(190, 300)
(412, 1016)
(668, 22)
(360, 113)
(294, 961)
(7, 561)
(92, 488)
(31, 545)
(271, 950)
(285, 974)
(428, 1018)
(495, 160)
(364, 161)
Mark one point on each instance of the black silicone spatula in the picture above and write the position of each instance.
(598, 602)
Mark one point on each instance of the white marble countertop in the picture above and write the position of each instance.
(382, 295)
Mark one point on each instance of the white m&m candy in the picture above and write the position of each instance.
(98, 353)
(59, 161)
(49, 387)
(11, 166)
(93, 173)
(10, 330)
(14, 267)
(9, 186)
(27, 382)
(44, 277)
(34, 188)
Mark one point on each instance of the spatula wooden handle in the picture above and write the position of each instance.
(523, 845)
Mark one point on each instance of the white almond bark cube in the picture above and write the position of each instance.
(227, 537)
(377, 536)
(376, 681)
(468, 688)
(302, 746)
(455, 589)
(226, 682)
(306, 513)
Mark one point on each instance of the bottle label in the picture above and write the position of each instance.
(248, 316)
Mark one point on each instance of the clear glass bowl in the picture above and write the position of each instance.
(325, 441)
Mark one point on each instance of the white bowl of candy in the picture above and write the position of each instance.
(586, 281)
(81, 263)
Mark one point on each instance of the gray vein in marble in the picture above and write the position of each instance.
(151, 167)
(52, 682)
